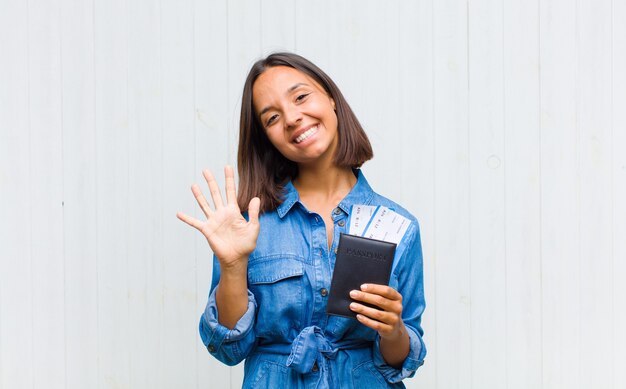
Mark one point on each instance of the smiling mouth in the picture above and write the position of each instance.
(306, 134)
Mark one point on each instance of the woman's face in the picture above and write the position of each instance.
(298, 116)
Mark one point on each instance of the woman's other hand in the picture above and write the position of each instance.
(386, 319)
(231, 237)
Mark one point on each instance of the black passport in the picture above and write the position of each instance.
(359, 260)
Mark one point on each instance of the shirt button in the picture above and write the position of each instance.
(324, 292)
(341, 223)
(315, 368)
(337, 211)
(335, 250)
(211, 348)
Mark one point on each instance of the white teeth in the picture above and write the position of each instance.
(306, 134)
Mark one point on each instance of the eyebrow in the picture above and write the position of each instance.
(291, 89)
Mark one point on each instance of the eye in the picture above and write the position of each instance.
(271, 120)
(301, 97)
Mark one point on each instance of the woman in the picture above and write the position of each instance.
(300, 147)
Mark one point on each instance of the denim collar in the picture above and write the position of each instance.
(361, 193)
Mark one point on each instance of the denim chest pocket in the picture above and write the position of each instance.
(277, 283)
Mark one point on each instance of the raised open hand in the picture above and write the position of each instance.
(230, 236)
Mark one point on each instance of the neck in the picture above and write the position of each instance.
(326, 183)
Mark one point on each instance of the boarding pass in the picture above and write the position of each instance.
(378, 222)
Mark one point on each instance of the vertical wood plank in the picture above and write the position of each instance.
(79, 177)
(211, 151)
(112, 161)
(560, 199)
(618, 72)
(244, 48)
(452, 225)
(367, 33)
(375, 83)
(278, 25)
(16, 277)
(486, 198)
(347, 26)
(594, 125)
(523, 194)
(312, 40)
(46, 175)
(415, 137)
(342, 34)
(618, 115)
(180, 319)
(145, 192)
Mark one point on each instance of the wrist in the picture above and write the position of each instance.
(395, 348)
(234, 267)
(398, 336)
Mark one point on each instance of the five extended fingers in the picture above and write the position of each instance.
(216, 196)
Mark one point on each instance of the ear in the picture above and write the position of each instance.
(332, 102)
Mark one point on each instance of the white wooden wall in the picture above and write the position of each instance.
(500, 124)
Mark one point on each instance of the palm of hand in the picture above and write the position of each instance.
(231, 237)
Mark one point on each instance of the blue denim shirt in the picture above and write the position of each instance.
(286, 337)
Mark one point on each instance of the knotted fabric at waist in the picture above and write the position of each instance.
(310, 346)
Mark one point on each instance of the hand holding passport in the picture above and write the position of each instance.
(367, 258)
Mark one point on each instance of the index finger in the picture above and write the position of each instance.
(382, 290)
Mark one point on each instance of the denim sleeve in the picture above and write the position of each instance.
(228, 346)
(411, 286)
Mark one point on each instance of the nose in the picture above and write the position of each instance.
(293, 116)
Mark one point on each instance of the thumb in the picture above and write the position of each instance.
(253, 210)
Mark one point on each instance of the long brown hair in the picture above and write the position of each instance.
(263, 170)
